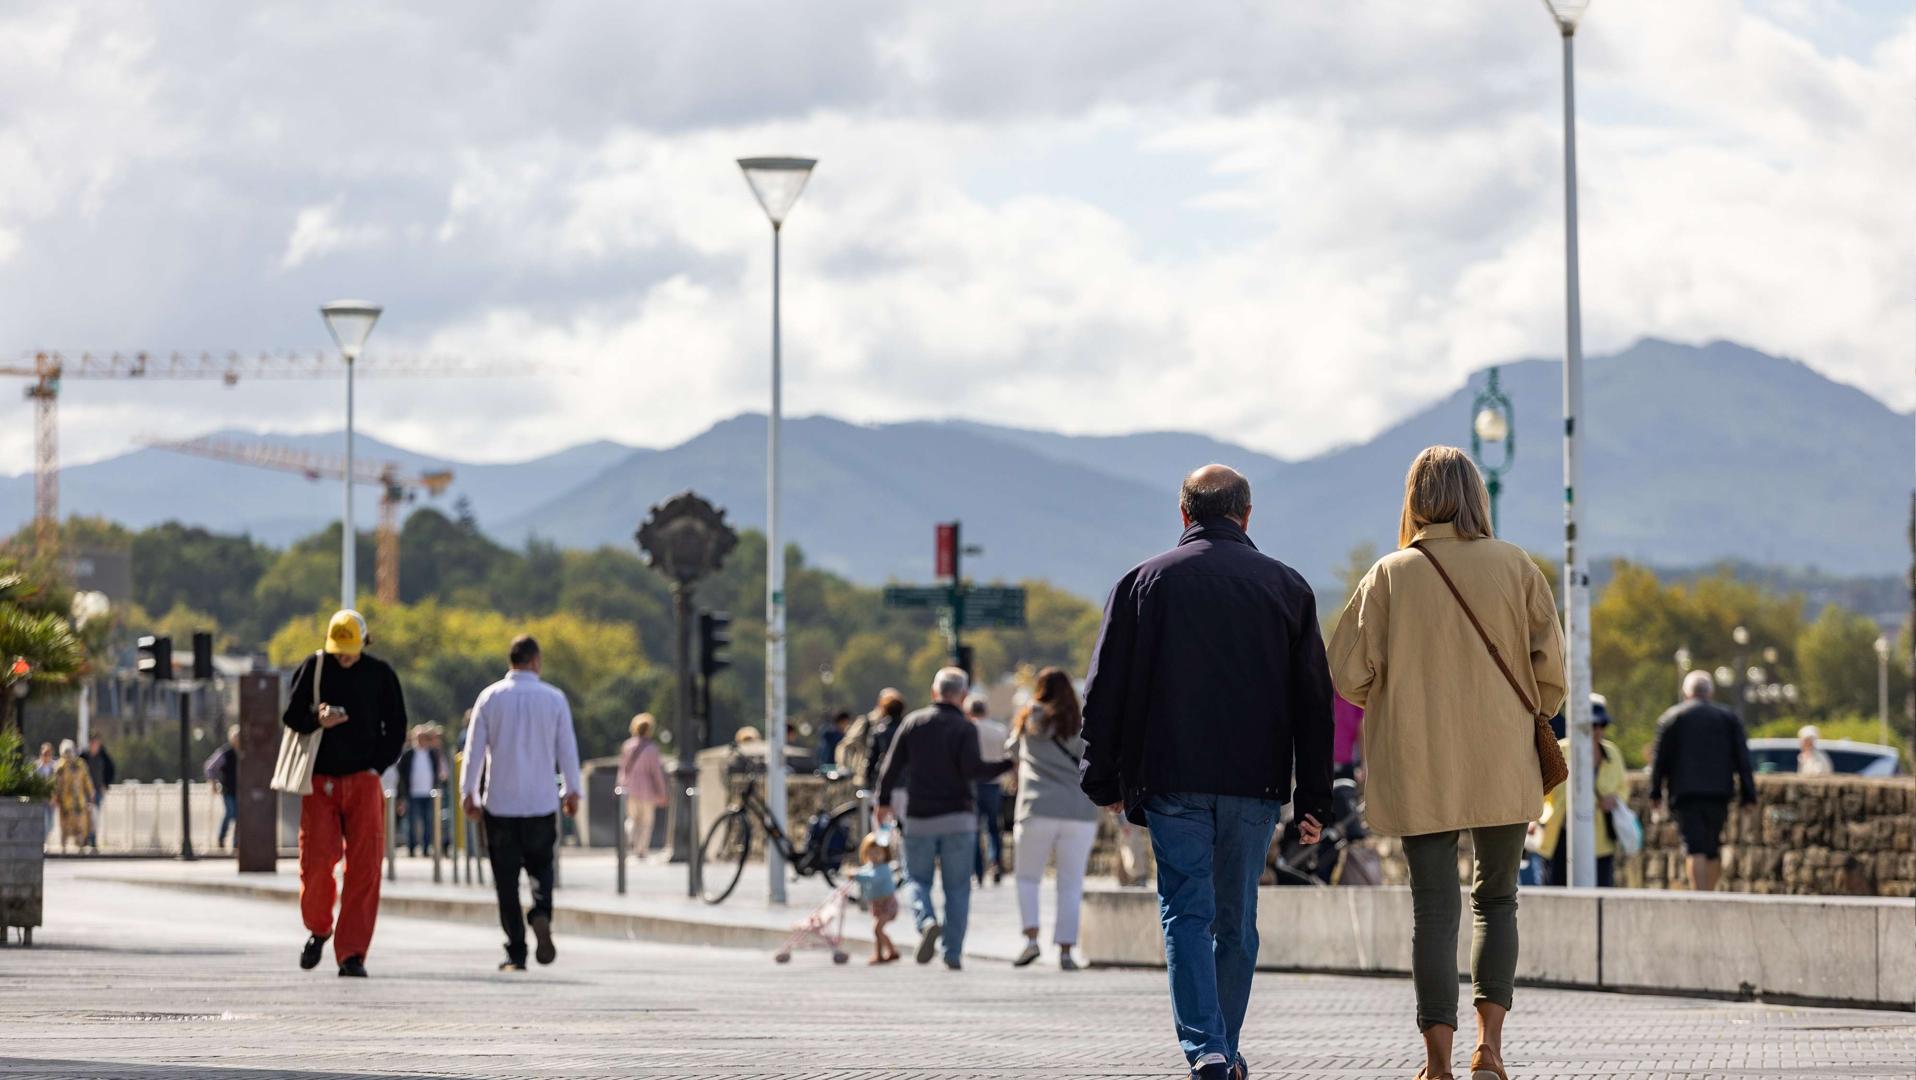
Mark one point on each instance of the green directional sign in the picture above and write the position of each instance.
(994, 606)
(917, 596)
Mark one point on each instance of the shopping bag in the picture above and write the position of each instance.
(1628, 827)
(293, 772)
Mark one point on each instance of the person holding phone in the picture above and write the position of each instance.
(358, 703)
(1207, 707)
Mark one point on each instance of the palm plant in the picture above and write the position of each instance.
(34, 644)
(17, 776)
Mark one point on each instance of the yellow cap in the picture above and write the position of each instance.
(346, 634)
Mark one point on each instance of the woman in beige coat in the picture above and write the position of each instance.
(1448, 745)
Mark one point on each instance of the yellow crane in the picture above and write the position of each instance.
(397, 487)
(49, 369)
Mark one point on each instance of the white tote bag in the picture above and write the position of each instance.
(294, 771)
(1629, 828)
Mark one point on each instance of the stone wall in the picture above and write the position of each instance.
(1811, 836)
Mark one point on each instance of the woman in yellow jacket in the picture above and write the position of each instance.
(1610, 781)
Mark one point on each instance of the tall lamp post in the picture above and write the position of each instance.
(1491, 421)
(351, 322)
(1582, 852)
(776, 181)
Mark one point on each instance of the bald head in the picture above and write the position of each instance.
(1215, 491)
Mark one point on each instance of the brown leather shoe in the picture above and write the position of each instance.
(1487, 1064)
(1422, 1075)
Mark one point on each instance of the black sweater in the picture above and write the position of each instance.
(1701, 753)
(936, 755)
(375, 729)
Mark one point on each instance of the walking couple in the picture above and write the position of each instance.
(1208, 705)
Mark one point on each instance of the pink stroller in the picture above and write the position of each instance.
(824, 928)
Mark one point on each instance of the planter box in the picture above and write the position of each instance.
(23, 835)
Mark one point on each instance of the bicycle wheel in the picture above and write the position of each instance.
(836, 850)
(722, 856)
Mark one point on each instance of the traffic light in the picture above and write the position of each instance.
(156, 658)
(715, 636)
(202, 655)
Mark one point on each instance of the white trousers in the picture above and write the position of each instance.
(1037, 838)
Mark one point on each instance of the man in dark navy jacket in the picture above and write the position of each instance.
(1208, 696)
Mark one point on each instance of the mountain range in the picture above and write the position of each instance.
(1695, 454)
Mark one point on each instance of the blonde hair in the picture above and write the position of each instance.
(642, 725)
(1444, 487)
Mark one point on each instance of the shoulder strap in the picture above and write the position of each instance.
(319, 668)
(1059, 743)
(1481, 633)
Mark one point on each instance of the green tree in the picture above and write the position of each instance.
(185, 566)
(1838, 667)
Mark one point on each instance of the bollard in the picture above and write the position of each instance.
(392, 849)
(459, 843)
(618, 803)
(558, 842)
(436, 836)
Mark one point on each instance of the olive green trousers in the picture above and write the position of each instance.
(1437, 907)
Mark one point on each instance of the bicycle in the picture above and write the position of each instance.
(831, 842)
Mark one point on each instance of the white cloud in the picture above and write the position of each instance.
(1286, 225)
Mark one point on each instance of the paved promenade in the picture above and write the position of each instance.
(138, 981)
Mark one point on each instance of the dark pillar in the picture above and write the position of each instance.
(186, 774)
(685, 740)
(258, 827)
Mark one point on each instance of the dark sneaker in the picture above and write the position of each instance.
(928, 943)
(954, 965)
(309, 954)
(542, 929)
(511, 965)
(1242, 1071)
(354, 967)
(1217, 1070)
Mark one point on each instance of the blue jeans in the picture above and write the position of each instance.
(419, 813)
(1210, 851)
(991, 806)
(953, 854)
(229, 801)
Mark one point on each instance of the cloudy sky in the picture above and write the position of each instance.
(1286, 224)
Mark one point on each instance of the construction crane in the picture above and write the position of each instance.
(49, 369)
(397, 487)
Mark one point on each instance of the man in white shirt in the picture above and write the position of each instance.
(992, 737)
(521, 736)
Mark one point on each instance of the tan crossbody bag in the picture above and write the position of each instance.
(293, 773)
(1550, 760)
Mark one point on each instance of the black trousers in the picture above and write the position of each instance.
(514, 844)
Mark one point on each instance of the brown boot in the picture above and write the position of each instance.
(1487, 1064)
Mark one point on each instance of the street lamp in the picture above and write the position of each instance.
(351, 322)
(1582, 851)
(776, 181)
(1882, 685)
(1491, 416)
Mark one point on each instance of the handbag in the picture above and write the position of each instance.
(1628, 828)
(293, 772)
(1550, 763)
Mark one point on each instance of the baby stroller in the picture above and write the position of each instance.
(1298, 863)
(824, 928)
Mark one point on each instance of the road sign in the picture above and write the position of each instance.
(947, 561)
(917, 596)
(994, 606)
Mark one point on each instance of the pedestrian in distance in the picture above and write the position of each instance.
(1811, 759)
(521, 737)
(990, 794)
(829, 739)
(1702, 762)
(1452, 648)
(421, 771)
(1207, 696)
(1054, 818)
(354, 697)
(642, 778)
(878, 888)
(937, 749)
(72, 796)
(222, 770)
(1609, 779)
(862, 751)
(43, 767)
(100, 768)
